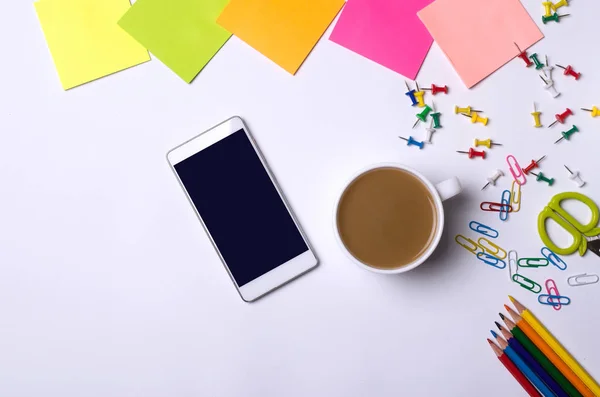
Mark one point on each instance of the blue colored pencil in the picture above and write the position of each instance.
(519, 363)
(532, 363)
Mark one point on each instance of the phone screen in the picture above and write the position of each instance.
(241, 208)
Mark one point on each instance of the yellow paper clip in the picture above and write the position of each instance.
(467, 243)
(491, 248)
(515, 196)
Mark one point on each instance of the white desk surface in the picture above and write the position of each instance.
(110, 287)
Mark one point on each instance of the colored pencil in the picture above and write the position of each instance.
(518, 375)
(519, 363)
(557, 347)
(531, 362)
(539, 356)
(547, 350)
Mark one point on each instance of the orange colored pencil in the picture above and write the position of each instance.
(548, 352)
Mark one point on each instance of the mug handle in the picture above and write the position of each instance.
(448, 188)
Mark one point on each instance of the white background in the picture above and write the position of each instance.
(110, 287)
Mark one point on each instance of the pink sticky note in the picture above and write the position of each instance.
(385, 31)
(479, 37)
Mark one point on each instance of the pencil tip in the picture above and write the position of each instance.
(506, 307)
(501, 316)
(490, 341)
(511, 298)
(498, 324)
(495, 335)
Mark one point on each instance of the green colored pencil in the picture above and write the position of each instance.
(541, 358)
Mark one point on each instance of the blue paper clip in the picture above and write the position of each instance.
(553, 258)
(554, 300)
(505, 201)
(491, 260)
(527, 283)
(492, 248)
(483, 229)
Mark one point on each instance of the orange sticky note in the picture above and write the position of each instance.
(479, 37)
(284, 31)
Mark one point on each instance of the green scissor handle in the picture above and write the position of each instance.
(555, 212)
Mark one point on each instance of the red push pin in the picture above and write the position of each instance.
(569, 71)
(473, 153)
(436, 90)
(523, 56)
(532, 165)
(561, 117)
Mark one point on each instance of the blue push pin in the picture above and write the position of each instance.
(411, 94)
(412, 141)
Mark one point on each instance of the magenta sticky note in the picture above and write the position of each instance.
(388, 32)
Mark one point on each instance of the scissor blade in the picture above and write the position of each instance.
(594, 246)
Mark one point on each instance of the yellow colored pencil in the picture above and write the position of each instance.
(557, 347)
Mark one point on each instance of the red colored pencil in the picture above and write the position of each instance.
(529, 388)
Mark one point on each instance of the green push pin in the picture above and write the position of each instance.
(542, 177)
(538, 64)
(554, 17)
(436, 117)
(423, 115)
(567, 134)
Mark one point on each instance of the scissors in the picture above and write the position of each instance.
(584, 236)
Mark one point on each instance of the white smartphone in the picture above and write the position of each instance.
(242, 209)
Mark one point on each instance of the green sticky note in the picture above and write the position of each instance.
(183, 34)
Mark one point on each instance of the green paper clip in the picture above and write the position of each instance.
(491, 248)
(527, 283)
(533, 262)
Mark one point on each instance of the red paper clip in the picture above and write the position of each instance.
(495, 207)
(515, 169)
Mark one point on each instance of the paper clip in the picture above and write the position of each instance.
(468, 244)
(504, 201)
(513, 257)
(582, 279)
(554, 300)
(515, 196)
(491, 248)
(491, 260)
(515, 169)
(494, 207)
(527, 283)
(552, 290)
(553, 258)
(533, 262)
(483, 229)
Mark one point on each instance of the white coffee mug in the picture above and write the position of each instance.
(440, 192)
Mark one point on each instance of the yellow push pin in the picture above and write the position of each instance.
(419, 96)
(561, 3)
(485, 142)
(594, 110)
(548, 7)
(536, 117)
(466, 111)
(475, 118)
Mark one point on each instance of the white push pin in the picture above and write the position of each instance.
(575, 177)
(550, 87)
(547, 69)
(493, 179)
(430, 132)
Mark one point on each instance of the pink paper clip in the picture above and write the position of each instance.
(495, 207)
(552, 289)
(515, 169)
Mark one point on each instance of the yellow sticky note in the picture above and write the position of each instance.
(85, 41)
(284, 31)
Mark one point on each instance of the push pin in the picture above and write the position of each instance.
(430, 132)
(411, 94)
(561, 3)
(412, 141)
(569, 71)
(547, 69)
(538, 64)
(536, 117)
(473, 153)
(419, 96)
(487, 143)
(575, 177)
(543, 178)
(523, 56)
(554, 17)
(548, 7)
(567, 134)
(435, 116)
(532, 165)
(466, 110)
(561, 117)
(423, 115)
(550, 87)
(493, 179)
(436, 90)
(594, 110)
(475, 118)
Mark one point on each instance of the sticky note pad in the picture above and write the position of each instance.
(388, 32)
(284, 31)
(85, 41)
(479, 37)
(183, 34)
